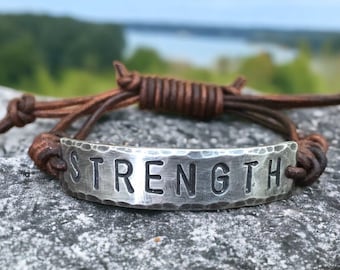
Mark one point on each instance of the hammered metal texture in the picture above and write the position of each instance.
(173, 179)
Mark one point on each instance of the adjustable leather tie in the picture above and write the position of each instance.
(55, 153)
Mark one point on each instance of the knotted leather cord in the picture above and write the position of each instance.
(199, 100)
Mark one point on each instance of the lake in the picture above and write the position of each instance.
(203, 51)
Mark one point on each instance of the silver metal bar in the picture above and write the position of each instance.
(171, 179)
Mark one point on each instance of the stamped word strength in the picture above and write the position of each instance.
(145, 177)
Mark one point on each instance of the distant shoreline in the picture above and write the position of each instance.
(290, 38)
(203, 50)
(216, 29)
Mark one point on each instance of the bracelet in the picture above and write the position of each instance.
(171, 179)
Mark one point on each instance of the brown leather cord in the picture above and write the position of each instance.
(187, 98)
(109, 103)
(312, 149)
(279, 102)
(46, 150)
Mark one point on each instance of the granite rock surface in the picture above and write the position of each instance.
(43, 228)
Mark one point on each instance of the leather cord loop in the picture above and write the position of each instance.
(198, 100)
(20, 111)
(46, 153)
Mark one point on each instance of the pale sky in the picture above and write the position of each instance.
(291, 14)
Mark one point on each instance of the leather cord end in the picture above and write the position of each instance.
(45, 151)
(20, 112)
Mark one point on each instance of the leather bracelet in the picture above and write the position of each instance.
(168, 179)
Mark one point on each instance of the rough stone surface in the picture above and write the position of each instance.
(42, 228)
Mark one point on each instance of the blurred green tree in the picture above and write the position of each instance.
(18, 60)
(297, 76)
(222, 65)
(64, 42)
(146, 60)
(259, 71)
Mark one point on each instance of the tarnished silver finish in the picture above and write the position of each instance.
(170, 179)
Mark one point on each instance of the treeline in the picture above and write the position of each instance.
(67, 57)
(30, 42)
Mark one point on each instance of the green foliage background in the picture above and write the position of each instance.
(66, 57)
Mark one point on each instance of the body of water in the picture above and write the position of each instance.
(203, 51)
